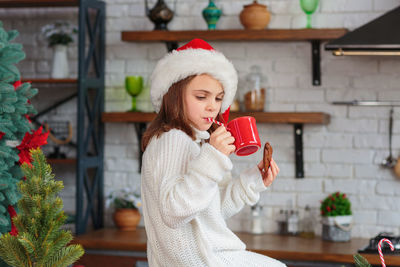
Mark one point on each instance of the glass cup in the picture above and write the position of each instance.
(134, 86)
(309, 7)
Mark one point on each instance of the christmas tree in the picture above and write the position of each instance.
(14, 124)
(40, 241)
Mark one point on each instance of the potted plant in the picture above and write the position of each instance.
(337, 219)
(58, 35)
(126, 203)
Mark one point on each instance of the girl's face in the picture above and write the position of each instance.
(202, 99)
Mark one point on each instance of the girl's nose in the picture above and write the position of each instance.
(212, 105)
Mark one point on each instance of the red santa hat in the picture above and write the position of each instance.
(194, 58)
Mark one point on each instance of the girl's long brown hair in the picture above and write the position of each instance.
(172, 114)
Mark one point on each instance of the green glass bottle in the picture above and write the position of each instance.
(211, 14)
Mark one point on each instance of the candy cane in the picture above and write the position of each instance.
(216, 122)
(380, 249)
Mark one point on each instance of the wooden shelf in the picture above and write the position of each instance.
(261, 117)
(280, 247)
(234, 35)
(48, 80)
(40, 3)
(61, 161)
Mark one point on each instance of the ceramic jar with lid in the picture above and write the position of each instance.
(253, 94)
(255, 16)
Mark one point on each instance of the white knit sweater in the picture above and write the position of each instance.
(187, 194)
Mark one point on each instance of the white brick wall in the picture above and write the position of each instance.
(344, 155)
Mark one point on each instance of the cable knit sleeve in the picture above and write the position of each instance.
(184, 182)
(238, 192)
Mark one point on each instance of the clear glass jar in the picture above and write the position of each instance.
(256, 220)
(253, 93)
(307, 224)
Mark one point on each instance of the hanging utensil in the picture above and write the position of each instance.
(390, 162)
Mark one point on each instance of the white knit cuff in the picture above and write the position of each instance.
(211, 163)
(253, 178)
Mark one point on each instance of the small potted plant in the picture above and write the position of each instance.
(337, 219)
(58, 35)
(126, 203)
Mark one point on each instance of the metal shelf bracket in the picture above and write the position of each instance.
(316, 62)
(171, 46)
(298, 152)
(140, 128)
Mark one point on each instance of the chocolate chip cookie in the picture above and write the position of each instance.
(267, 155)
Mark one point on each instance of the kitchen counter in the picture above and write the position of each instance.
(291, 248)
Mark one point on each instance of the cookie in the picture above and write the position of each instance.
(267, 155)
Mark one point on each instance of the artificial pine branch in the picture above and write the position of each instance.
(40, 241)
(360, 261)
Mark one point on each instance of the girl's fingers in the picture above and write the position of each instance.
(261, 165)
(220, 129)
(268, 177)
(276, 165)
(230, 140)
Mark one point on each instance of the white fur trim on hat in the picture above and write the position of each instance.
(177, 65)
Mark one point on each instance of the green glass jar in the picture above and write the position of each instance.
(211, 14)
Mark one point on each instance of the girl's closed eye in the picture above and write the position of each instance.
(200, 97)
(219, 99)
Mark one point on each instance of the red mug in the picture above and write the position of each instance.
(244, 130)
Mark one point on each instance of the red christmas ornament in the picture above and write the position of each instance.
(31, 141)
(27, 117)
(17, 84)
(1, 135)
(12, 213)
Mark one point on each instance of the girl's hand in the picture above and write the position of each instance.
(222, 140)
(269, 175)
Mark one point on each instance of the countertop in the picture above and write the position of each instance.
(276, 246)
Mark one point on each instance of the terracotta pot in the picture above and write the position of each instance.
(126, 219)
(255, 16)
(397, 168)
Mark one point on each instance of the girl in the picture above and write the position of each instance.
(187, 189)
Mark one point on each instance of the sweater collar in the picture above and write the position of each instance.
(200, 135)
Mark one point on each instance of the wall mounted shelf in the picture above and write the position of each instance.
(49, 81)
(264, 117)
(39, 3)
(314, 36)
(296, 118)
(234, 35)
